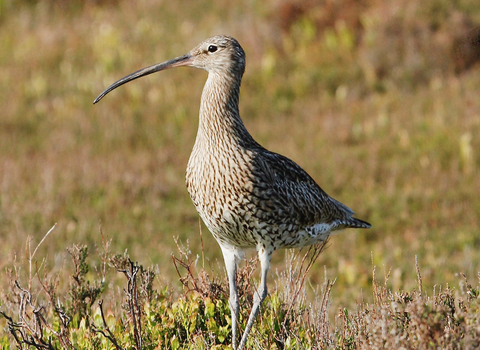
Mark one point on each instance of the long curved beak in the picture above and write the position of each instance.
(185, 60)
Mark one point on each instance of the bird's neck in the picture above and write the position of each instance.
(220, 120)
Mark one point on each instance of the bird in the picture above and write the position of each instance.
(247, 196)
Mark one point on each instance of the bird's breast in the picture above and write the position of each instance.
(220, 185)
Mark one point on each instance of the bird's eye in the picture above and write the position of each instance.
(212, 48)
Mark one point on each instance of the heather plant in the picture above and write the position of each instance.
(151, 317)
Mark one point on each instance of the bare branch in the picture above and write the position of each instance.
(109, 335)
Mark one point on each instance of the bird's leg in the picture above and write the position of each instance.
(231, 265)
(264, 255)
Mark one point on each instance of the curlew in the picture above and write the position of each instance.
(247, 196)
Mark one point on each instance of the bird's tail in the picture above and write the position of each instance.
(349, 221)
(354, 223)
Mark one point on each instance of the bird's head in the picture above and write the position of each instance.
(219, 54)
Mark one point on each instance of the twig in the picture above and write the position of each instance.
(36, 331)
(13, 327)
(420, 286)
(317, 250)
(63, 334)
(110, 336)
(132, 295)
(201, 242)
(30, 258)
(190, 277)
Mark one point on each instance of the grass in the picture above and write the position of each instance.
(382, 114)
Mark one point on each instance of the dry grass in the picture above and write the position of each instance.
(381, 114)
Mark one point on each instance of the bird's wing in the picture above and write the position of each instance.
(291, 193)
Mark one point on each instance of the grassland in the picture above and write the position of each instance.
(376, 102)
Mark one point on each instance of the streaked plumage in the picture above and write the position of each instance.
(247, 196)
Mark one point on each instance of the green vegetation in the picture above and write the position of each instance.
(199, 317)
(378, 102)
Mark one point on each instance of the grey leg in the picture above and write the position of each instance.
(231, 265)
(264, 256)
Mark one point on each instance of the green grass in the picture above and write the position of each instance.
(376, 114)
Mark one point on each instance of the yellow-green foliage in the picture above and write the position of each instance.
(199, 319)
